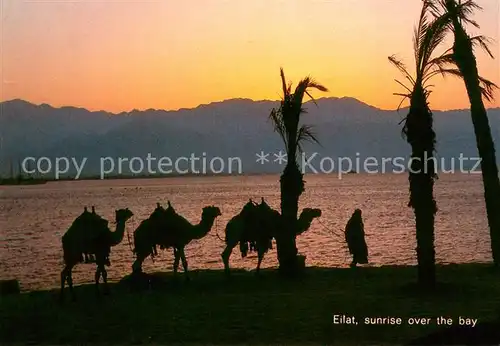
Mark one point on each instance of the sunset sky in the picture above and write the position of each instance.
(123, 55)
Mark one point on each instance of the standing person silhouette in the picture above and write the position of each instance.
(355, 238)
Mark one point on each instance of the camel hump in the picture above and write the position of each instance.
(100, 220)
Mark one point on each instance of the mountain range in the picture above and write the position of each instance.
(345, 127)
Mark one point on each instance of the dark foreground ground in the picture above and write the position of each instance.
(247, 309)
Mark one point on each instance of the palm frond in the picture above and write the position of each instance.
(315, 85)
(404, 86)
(403, 99)
(487, 88)
(465, 10)
(279, 125)
(419, 35)
(286, 118)
(434, 36)
(403, 95)
(483, 42)
(449, 71)
(283, 82)
(429, 34)
(305, 134)
(449, 9)
(441, 61)
(401, 67)
(312, 99)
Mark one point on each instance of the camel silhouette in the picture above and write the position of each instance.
(255, 227)
(90, 234)
(167, 229)
(149, 229)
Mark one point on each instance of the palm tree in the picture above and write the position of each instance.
(453, 15)
(419, 133)
(286, 122)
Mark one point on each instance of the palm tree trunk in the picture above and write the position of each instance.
(422, 138)
(421, 187)
(491, 182)
(466, 62)
(291, 188)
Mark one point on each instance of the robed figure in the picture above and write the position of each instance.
(355, 238)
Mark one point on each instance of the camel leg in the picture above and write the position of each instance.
(225, 256)
(177, 258)
(260, 258)
(138, 279)
(97, 277)
(101, 271)
(70, 283)
(104, 274)
(65, 275)
(63, 280)
(184, 263)
(137, 265)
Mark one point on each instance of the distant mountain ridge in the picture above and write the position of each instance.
(346, 127)
(236, 100)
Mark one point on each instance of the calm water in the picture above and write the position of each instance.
(33, 219)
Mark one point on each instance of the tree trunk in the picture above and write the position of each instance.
(491, 182)
(422, 138)
(421, 187)
(291, 188)
(466, 62)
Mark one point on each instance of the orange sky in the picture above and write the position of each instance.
(120, 55)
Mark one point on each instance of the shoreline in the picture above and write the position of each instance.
(260, 309)
(55, 287)
(41, 181)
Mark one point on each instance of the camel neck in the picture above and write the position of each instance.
(203, 227)
(304, 223)
(117, 235)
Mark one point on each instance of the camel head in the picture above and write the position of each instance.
(306, 218)
(123, 215)
(211, 212)
(311, 213)
(93, 210)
